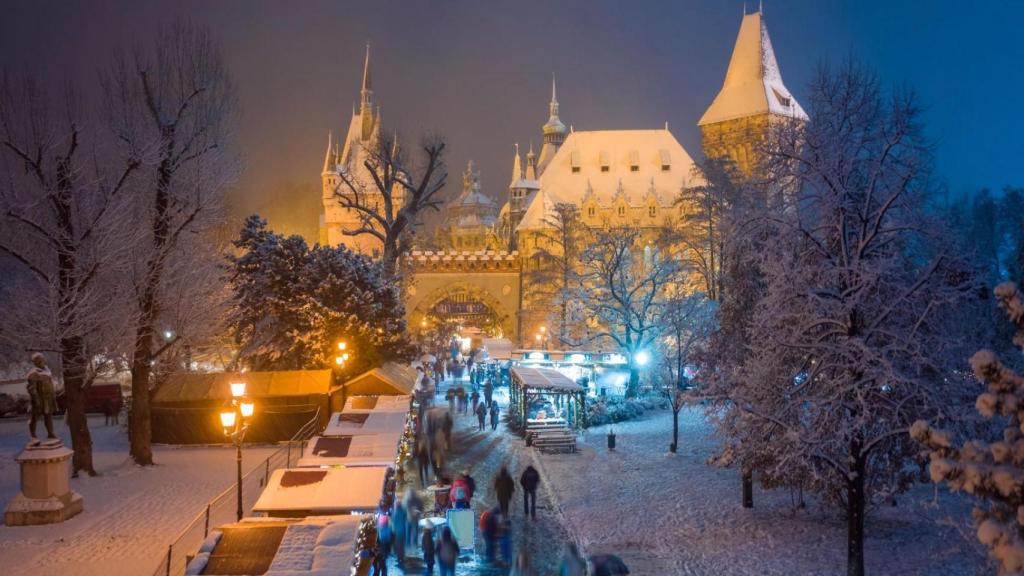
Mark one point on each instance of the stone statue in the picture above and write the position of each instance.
(40, 391)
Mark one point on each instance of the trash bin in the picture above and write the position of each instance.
(611, 439)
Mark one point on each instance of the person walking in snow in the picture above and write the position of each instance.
(494, 416)
(427, 545)
(521, 567)
(399, 523)
(460, 494)
(448, 425)
(423, 460)
(481, 415)
(447, 552)
(450, 397)
(488, 391)
(383, 549)
(475, 398)
(489, 528)
(529, 481)
(414, 509)
(504, 486)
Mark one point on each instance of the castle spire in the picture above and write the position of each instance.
(327, 156)
(531, 164)
(366, 93)
(517, 168)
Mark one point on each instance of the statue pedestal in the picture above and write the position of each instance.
(46, 496)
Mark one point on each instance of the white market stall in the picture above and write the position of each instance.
(300, 492)
(352, 450)
(362, 422)
(377, 404)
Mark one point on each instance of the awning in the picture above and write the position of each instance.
(322, 491)
(361, 422)
(377, 404)
(365, 450)
(544, 379)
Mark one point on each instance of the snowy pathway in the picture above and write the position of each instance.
(131, 513)
(483, 453)
(676, 515)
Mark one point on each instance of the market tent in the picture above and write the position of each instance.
(529, 385)
(185, 408)
(360, 422)
(390, 379)
(315, 546)
(365, 450)
(297, 492)
(377, 404)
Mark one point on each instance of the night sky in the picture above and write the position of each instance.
(479, 73)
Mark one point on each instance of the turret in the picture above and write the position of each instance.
(554, 131)
(752, 97)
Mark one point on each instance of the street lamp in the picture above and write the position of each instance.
(642, 358)
(235, 421)
(342, 357)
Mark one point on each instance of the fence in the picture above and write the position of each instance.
(224, 508)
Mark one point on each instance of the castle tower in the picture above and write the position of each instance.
(359, 142)
(520, 191)
(554, 132)
(752, 97)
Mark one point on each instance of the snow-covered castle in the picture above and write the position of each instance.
(615, 178)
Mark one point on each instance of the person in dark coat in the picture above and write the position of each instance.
(494, 415)
(447, 552)
(529, 481)
(423, 461)
(427, 545)
(504, 486)
(448, 424)
(481, 416)
(475, 398)
(488, 391)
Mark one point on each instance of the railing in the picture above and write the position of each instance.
(223, 509)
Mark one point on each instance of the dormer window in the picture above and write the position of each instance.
(634, 161)
(590, 211)
(605, 162)
(652, 211)
(666, 160)
(782, 99)
(574, 161)
(622, 211)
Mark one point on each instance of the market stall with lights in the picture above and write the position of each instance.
(530, 387)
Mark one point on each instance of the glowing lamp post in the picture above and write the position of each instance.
(235, 422)
(342, 356)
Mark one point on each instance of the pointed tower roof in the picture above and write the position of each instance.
(517, 168)
(328, 155)
(531, 164)
(367, 87)
(554, 124)
(753, 83)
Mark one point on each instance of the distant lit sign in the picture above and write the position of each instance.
(535, 356)
(577, 358)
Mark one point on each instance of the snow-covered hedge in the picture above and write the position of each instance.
(610, 410)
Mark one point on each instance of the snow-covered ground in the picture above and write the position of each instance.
(676, 515)
(131, 513)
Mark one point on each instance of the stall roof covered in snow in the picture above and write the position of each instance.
(377, 404)
(362, 422)
(365, 450)
(753, 83)
(544, 379)
(195, 386)
(322, 491)
(390, 379)
(317, 546)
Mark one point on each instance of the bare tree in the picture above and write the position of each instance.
(625, 285)
(848, 342)
(172, 105)
(390, 206)
(702, 225)
(689, 320)
(558, 259)
(58, 207)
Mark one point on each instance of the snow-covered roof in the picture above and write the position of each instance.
(360, 422)
(389, 379)
(375, 450)
(545, 379)
(753, 83)
(322, 491)
(638, 164)
(196, 386)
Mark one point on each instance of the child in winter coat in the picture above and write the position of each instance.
(427, 545)
(447, 552)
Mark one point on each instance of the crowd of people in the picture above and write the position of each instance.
(400, 530)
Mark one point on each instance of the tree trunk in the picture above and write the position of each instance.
(675, 430)
(855, 513)
(141, 423)
(73, 363)
(747, 476)
(633, 387)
